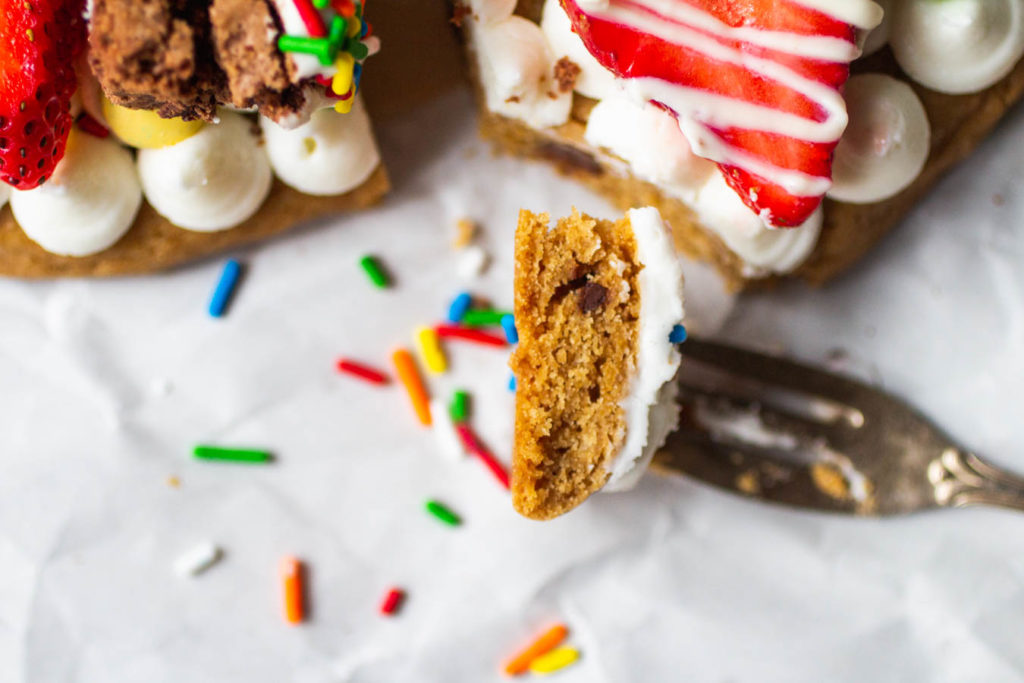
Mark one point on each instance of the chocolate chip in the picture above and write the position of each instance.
(592, 297)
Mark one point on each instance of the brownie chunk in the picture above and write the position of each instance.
(156, 54)
(244, 42)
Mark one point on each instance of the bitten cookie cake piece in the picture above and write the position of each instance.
(147, 133)
(595, 306)
(777, 137)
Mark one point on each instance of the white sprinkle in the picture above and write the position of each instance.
(197, 560)
(473, 262)
(448, 443)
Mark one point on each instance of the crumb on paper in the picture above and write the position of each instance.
(830, 481)
(998, 199)
(465, 232)
(748, 482)
(173, 482)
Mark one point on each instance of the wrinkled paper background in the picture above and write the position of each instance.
(106, 385)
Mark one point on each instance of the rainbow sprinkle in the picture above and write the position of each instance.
(460, 406)
(543, 644)
(374, 271)
(246, 455)
(443, 513)
(225, 288)
(508, 324)
(392, 601)
(355, 369)
(430, 349)
(677, 335)
(556, 660)
(459, 307)
(483, 318)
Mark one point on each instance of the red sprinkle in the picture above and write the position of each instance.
(91, 126)
(392, 601)
(311, 18)
(326, 82)
(474, 446)
(467, 334)
(362, 371)
(345, 8)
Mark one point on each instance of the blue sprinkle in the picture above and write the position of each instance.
(357, 70)
(677, 335)
(364, 30)
(508, 323)
(511, 382)
(225, 288)
(461, 304)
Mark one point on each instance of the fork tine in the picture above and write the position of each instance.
(778, 372)
(752, 471)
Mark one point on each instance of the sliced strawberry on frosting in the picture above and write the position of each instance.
(754, 84)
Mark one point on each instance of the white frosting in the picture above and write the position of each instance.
(763, 250)
(211, 181)
(886, 144)
(594, 80)
(330, 155)
(958, 46)
(516, 66)
(88, 204)
(650, 406)
(873, 40)
(649, 141)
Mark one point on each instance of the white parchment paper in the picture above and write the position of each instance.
(105, 386)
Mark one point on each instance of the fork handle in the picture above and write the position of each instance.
(961, 479)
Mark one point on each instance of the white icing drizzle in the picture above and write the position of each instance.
(699, 110)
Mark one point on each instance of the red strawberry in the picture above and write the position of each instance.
(721, 47)
(38, 41)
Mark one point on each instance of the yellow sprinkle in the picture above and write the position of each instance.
(465, 230)
(430, 349)
(173, 482)
(344, 106)
(342, 81)
(555, 660)
(354, 27)
(309, 144)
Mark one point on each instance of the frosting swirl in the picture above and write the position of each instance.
(211, 181)
(90, 202)
(958, 46)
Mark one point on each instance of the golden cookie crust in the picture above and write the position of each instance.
(153, 243)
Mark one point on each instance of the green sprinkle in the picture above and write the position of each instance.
(460, 406)
(321, 48)
(320, 4)
(231, 454)
(443, 513)
(374, 271)
(483, 318)
(357, 49)
(336, 31)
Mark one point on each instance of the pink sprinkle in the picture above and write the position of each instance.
(91, 126)
(473, 445)
(392, 601)
(362, 371)
(471, 335)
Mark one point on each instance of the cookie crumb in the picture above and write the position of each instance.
(566, 73)
(465, 231)
(748, 482)
(830, 481)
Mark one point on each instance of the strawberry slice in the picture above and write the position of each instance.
(755, 85)
(38, 42)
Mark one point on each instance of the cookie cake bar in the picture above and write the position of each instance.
(740, 121)
(598, 307)
(144, 133)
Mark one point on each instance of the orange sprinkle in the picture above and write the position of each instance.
(291, 581)
(547, 642)
(409, 375)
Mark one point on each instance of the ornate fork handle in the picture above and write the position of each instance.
(962, 479)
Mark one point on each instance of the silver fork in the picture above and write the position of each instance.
(789, 433)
